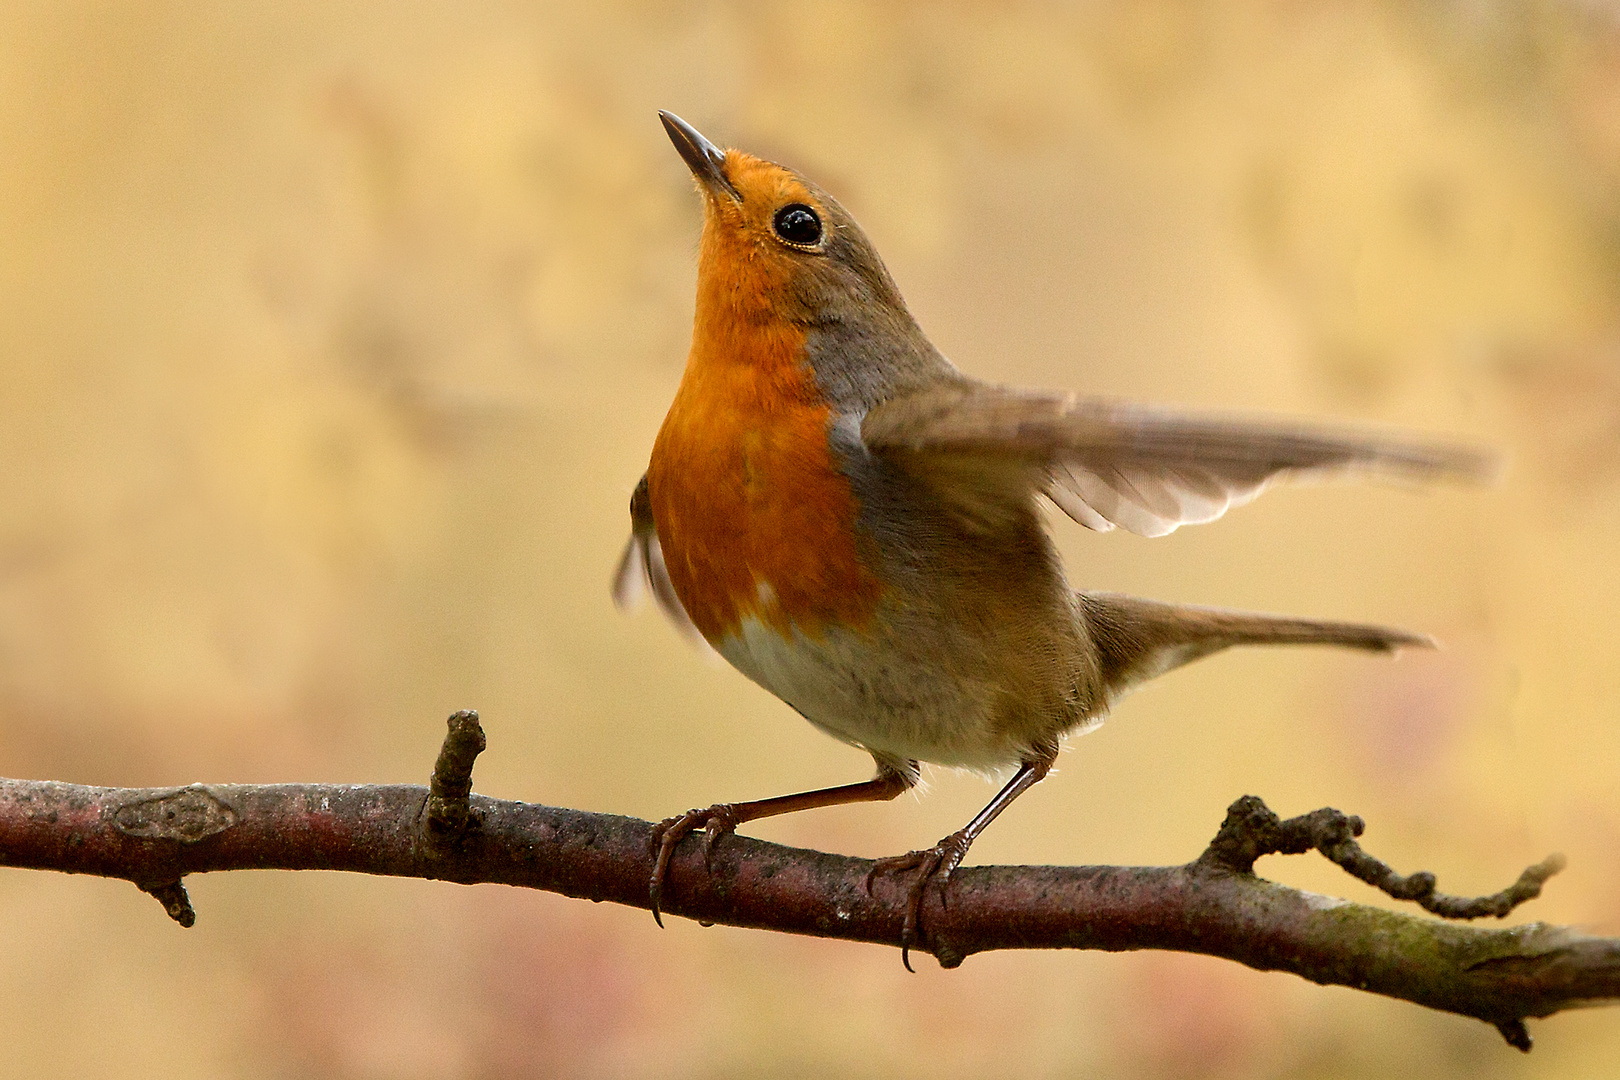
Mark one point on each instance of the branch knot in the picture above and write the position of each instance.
(186, 814)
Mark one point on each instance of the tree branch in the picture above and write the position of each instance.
(1213, 905)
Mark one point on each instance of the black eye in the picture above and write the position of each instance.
(797, 224)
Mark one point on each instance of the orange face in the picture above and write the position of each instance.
(753, 514)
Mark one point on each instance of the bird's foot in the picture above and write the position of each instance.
(930, 864)
(716, 821)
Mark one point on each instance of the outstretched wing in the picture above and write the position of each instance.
(641, 568)
(1148, 471)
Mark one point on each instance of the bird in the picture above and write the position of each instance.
(855, 524)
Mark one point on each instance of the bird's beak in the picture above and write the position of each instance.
(706, 160)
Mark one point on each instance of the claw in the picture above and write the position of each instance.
(717, 820)
(931, 864)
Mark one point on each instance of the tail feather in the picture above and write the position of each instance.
(1138, 639)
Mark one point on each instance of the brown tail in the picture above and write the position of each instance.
(1139, 639)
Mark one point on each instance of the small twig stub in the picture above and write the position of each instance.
(448, 811)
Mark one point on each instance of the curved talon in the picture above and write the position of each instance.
(935, 863)
(717, 820)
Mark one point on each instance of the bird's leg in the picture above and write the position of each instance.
(937, 862)
(722, 818)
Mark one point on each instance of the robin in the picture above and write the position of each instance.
(853, 523)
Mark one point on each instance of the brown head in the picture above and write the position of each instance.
(774, 242)
(779, 251)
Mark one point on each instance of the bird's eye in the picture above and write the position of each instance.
(797, 224)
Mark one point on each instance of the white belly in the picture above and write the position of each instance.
(898, 707)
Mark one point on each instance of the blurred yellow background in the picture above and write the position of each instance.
(333, 337)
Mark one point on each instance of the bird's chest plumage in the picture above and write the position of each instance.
(754, 515)
(763, 536)
(837, 581)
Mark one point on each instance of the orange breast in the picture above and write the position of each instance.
(753, 515)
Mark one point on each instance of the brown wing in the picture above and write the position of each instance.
(1148, 471)
(641, 568)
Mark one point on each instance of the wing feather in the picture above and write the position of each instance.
(1108, 464)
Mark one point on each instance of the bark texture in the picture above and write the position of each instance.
(1214, 904)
